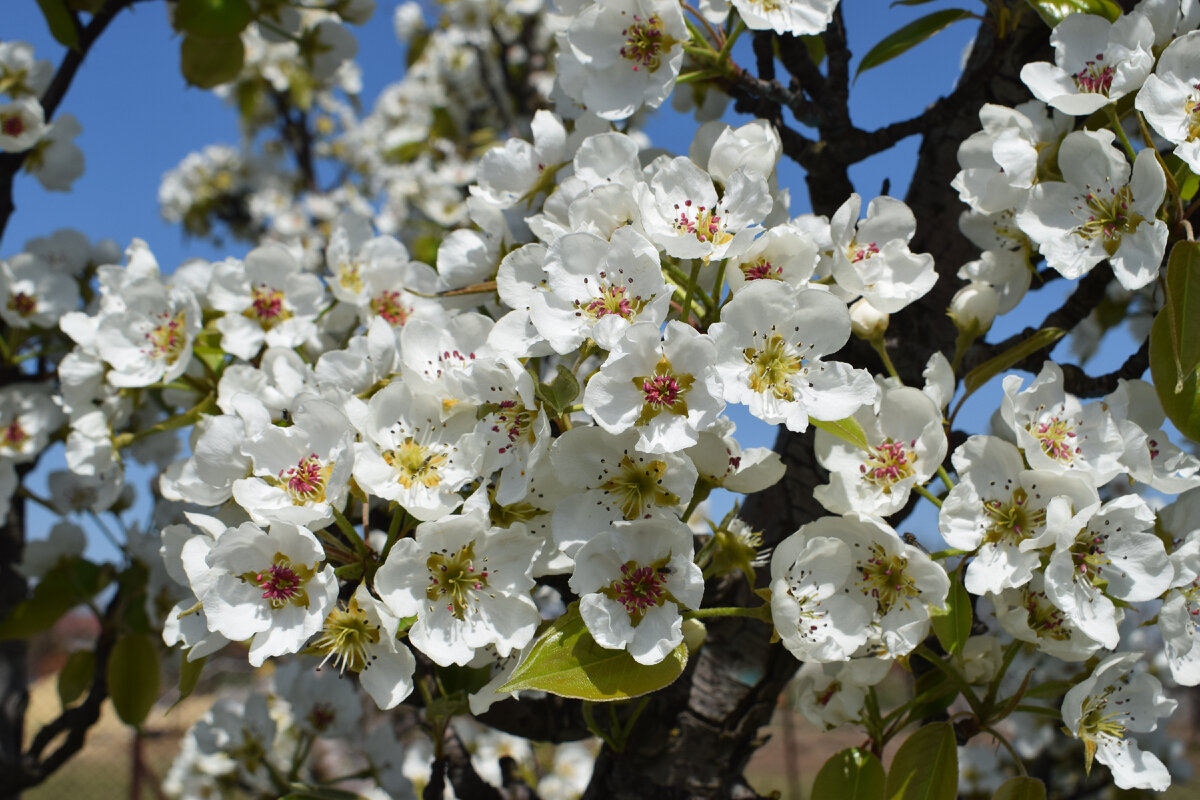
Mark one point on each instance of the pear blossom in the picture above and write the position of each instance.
(783, 253)
(816, 619)
(1029, 615)
(667, 389)
(1111, 703)
(268, 586)
(1096, 62)
(34, 295)
(56, 161)
(1177, 617)
(770, 344)
(1170, 98)
(320, 704)
(871, 257)
(28, 417)
(998, 510)
(906, 446)
(512, 173)
(632, 580)
(1101, 210)
(22, 124)
(1059, 434)
(722, 461)
(617, 55)
(797, 17)
(20, 73)
(835, 693)
(467, 584)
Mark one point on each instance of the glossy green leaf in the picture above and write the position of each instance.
(1055, 11)
(213, 18)
(76, 676)
(565, 660)
(925, 766)
(1021, 789)
(852, 774)
(1182, 308)
(1181, 407)
(61, 22)
(133, 677)
(952, 624)
(848, 430)
(910, 36)
(64, 586)
(1018, 352)
(207, 62)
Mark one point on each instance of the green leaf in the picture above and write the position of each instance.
(848, 430)
(852, 774)
(910, 36)
(67, 584)
(1182, 307)
(560, 392)
(1021, 789)
(189, 676)
(211, 61)
(61, 22)
(1018, 352)
(213, 18)
(1053, 12)
(565, 660)
(952, 624)
(133, 677)
(76, 676)
(925, 766)
(1182, 407)
(932, 694)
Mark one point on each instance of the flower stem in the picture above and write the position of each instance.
(1119, 129)
(928, 495)
(762, 612)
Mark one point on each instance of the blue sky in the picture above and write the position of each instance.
(140, 119)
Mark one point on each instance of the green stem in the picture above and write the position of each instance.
(928, 495)
(959, 682)
(762, 612)
(1053, 713)
(881, 349)
(941, 473)
(355, 541)
(690, 291)
(1119, 129)
(189, 417)
(730, 39)
(589, 721)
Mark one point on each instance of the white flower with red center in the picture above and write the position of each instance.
(512, 427)
(1110, 704)
(22, 123)
(1170, 98)
(300, 473)
(468, 585)
(440, 350)
(871, 256)
(28, 416)
(1059, 434)
(684, 217)
(1150, 455)
(319, 704)
(272, 587)
(1028, 615)
(1104, 553)
(617, 55)
(632, 581)
(816, 619)
(32, 295)
(665, 388)
(376, 275)
(897, 582)
(907, 446)
(517, 171)
(1096, 62)
(267, 300)
(613, 481)
(770, 342)
(783, 253)
(149, 339)
(56, 161)
(360, 636)
(411, 455)
(596, 289)
(797, 17)
(1101, 211)
(217, 461)
(998, 510)
(20, 73)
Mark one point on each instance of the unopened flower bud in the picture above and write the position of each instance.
(867, 321)
(973, 308)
